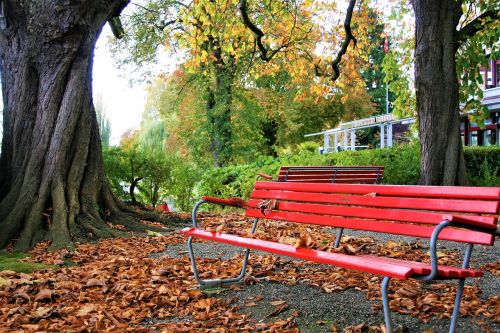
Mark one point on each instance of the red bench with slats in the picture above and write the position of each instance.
(461, 214)
(330, 174)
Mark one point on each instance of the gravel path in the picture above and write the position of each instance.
(318, 310)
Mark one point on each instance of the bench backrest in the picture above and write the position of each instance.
(396, 209)
(332, 174)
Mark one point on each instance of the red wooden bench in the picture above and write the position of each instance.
(459, 214)
(363, 174)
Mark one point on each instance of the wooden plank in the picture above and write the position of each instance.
(443, 205)
(458, 192)
(323, 174)
(379, 213)
(368, 264)
(451, 234)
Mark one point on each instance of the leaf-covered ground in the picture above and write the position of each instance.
(145, 284)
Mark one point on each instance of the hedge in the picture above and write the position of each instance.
(401, 167)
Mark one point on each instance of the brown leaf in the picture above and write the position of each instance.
(266, 206)
(278, 310)
(407, 291)
(44, 294)
(305, 240)
(95, 283)
(43, 312)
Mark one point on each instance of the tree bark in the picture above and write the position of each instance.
(51, 152)
(442, 161)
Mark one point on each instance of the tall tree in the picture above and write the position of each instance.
(437, 40)
(51, 152)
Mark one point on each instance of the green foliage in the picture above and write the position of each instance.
(401, 167)
(474, 54)
(483, 165)
(12, 262)
(103, 123)
(396, 66)
(118, 165)
(373, 75)
(185, 176)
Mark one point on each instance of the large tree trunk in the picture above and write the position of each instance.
(442, 161)
(51, 162)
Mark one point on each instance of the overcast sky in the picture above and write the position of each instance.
(123, 103)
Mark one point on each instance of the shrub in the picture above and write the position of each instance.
(483, 165)
(401, 163)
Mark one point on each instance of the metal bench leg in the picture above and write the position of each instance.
(215, 283)
(456, 306)
(339, 236)
(385, 302)
(460, 290)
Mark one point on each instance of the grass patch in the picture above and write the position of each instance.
(11, 262)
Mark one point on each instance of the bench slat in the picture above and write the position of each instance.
(331, 174)
(448, 205)
(378, 213)
(457, 192)
(286, 167)
(395, 268)
(368, 265)
(329, 181)
(451, 234)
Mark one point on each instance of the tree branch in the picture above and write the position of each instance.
(475, 25)
(116, 27)
(257, 32)
(348, 38)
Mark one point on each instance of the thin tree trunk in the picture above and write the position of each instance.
(51, 152)
(442, 161)
(133, 185)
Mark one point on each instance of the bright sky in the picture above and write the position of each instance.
(123, 102)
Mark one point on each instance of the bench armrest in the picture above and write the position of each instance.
(233, 202)
(455, 221)
(263, 175)
(464, 222)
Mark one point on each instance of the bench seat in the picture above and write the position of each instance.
(396, 268)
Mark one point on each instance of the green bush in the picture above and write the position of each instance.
(483, 165)
(401, 167)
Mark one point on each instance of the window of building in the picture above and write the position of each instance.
(488, 137)
(473, 138)
(497, 73)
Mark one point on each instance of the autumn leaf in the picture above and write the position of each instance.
(266, 206)
(279, 308)
(277, 303)
(93, 282)
(305, 240)
(44, 295)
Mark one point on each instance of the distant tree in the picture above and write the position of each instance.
(372, 72)
(103, 122)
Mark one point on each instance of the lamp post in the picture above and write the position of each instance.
(386, 50)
